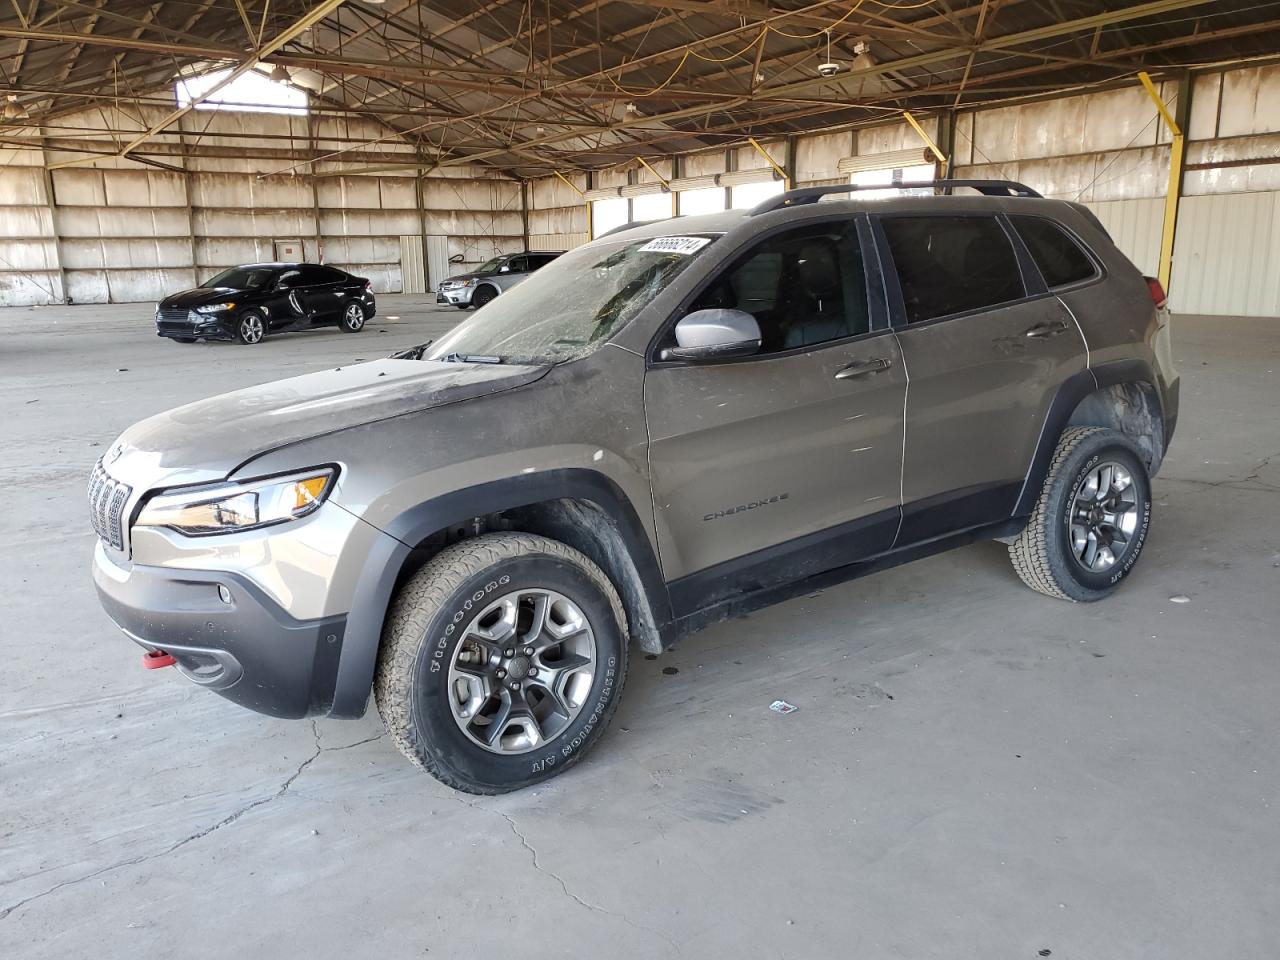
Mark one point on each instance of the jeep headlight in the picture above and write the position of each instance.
(231, 507)
(215, 307)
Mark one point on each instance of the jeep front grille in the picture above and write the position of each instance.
(107, 499)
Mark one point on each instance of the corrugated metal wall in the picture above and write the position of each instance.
(115, 231)
(1227, 251)
(118, 231)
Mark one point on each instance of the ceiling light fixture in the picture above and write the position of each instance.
(830, 68)
(865, 59)
(13, 110)
(280, 74)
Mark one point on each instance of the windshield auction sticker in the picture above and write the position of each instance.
(681, 245)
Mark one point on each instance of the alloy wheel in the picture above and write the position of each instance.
(354, 317)
(251, 328)
(522, 672)
(1103, 516)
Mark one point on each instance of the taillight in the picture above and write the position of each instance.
(1158, 296)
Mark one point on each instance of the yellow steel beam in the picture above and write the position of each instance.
(786, 181)
(661, 179)
(928, 140)
(572, 186)
(1173, 193)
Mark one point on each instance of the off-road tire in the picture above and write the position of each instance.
(1042, 554)
(425, 625)
(482, 296)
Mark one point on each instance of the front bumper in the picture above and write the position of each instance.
(459, 296)
(211, 327)
(249, 650)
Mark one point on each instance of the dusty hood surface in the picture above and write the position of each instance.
(209, 438)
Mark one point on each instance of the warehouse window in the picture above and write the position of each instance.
(874, 178)
(651, 206)
(607, 215)
(748, 195)
(250, 92)
(707, 200)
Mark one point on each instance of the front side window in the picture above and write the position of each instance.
(1059, 257)
(949, 265)
(240, 278)
(575, 304)
(804, 287)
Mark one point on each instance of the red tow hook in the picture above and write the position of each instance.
(155, 659)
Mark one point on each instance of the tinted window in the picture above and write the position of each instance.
(951, 265)
(518, 265)
(241, 278)
(804, 287)
(1059, 257)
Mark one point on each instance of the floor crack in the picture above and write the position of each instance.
(537, 865)
(198, 835)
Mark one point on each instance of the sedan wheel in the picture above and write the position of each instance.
(352, 318)
(251, 329)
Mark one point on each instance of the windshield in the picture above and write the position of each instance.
(492, 266)
(572, 305)
(240, 278)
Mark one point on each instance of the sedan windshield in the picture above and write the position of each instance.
(240, 278)
(571, 306)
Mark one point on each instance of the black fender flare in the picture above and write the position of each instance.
(386, 561)
(1073, 390)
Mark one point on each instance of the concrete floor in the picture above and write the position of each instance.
(975, 771)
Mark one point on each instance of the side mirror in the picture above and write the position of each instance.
(505, 268)
(715, 335)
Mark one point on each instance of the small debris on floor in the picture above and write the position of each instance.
(781, 706)
(670, 671)
(1180, 598)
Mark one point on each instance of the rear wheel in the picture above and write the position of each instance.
(502, 662)
(183, 339)
(251, 328)
(1089, 525)
(482, 296)
(353, 318)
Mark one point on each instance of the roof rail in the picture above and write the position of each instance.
(988, 188)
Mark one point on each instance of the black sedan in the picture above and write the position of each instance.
(246, 303)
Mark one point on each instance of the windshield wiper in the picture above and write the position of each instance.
(412, 353)
(470, 358)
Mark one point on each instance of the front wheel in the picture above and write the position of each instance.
(251, 328)
(502, 662)
(353, 319)
(482, 296)
(1089, 525)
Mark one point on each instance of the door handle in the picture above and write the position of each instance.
(862, 367)
(1050, 329)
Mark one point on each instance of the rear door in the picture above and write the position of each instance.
(322, 293)
(769, 468)
(986, 346)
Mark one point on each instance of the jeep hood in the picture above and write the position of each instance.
(208, 439)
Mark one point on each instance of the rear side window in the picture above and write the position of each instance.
(1059, 257)
(949, 265)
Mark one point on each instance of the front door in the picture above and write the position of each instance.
(769, 468)
(986, 347)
